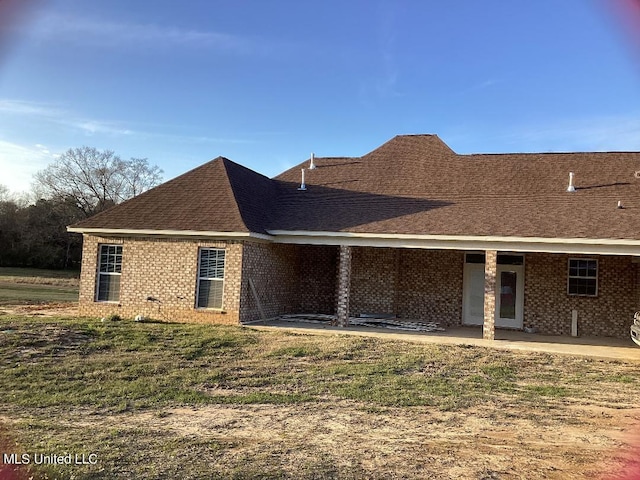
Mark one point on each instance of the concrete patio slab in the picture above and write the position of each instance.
(596, 347)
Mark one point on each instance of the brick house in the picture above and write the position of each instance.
(411, 229)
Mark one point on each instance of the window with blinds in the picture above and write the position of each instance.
(109, 272)
(210, 278)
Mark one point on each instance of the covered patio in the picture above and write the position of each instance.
(594, 347)
(502, 291)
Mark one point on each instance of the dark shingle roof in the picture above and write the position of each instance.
(215, 197)
(413, 184)
(422, 187)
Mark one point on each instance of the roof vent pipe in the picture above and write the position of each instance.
(312, 166)
(620, 204)
(303, 186)
(571, 187)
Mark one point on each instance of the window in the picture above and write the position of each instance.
(583, 277)
(109, 271)
(474, 258)
(210, 278)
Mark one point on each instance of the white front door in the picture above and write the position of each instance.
(509, 301)
(510, 298)
(473, 294)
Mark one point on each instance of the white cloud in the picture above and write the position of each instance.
(107, 33)
(36, 113)
(584, 134)
(19, 162)
(92, 127)
(479, 86)
(20, 107)
(62, 117)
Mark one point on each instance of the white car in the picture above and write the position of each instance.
(635, 328)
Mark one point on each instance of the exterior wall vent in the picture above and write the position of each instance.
(571, 187)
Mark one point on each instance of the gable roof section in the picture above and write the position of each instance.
(211, 198)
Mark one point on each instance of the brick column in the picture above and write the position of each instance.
(490, 268)
(344, 286)
(636, 268)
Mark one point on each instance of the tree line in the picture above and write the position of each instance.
(78, 184)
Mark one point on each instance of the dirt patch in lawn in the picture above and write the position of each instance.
(42, 310)
(487, 442)
(338, 439)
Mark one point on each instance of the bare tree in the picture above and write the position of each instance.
(140, 176)
(96, 179)
(4, 193)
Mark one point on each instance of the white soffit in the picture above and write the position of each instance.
(168, 233)
(453, 242)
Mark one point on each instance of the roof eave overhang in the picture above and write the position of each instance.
(593, 246)
(122, 232)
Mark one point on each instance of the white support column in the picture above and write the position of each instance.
(344, 286)
(490, 292)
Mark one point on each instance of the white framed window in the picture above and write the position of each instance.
(583, 277)
(109, 272)
(210, 278)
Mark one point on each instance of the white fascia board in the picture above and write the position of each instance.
(461, 242)
(168, 233)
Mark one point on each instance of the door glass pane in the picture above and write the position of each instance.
(508, 281)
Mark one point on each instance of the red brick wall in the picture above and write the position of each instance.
(317, 279)
(431, 285)
(412, 283)
(165, 269)
(273, 268)
(373, 280)
(548, 306)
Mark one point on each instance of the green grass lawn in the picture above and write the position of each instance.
(24, 293)
(32, 285)
(8, 273)
(57, 371)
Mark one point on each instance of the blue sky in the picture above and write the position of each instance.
(265, 83)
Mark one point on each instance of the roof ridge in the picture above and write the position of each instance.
(608, 152)
(252, 195)
(436, 143)
(225, 161)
